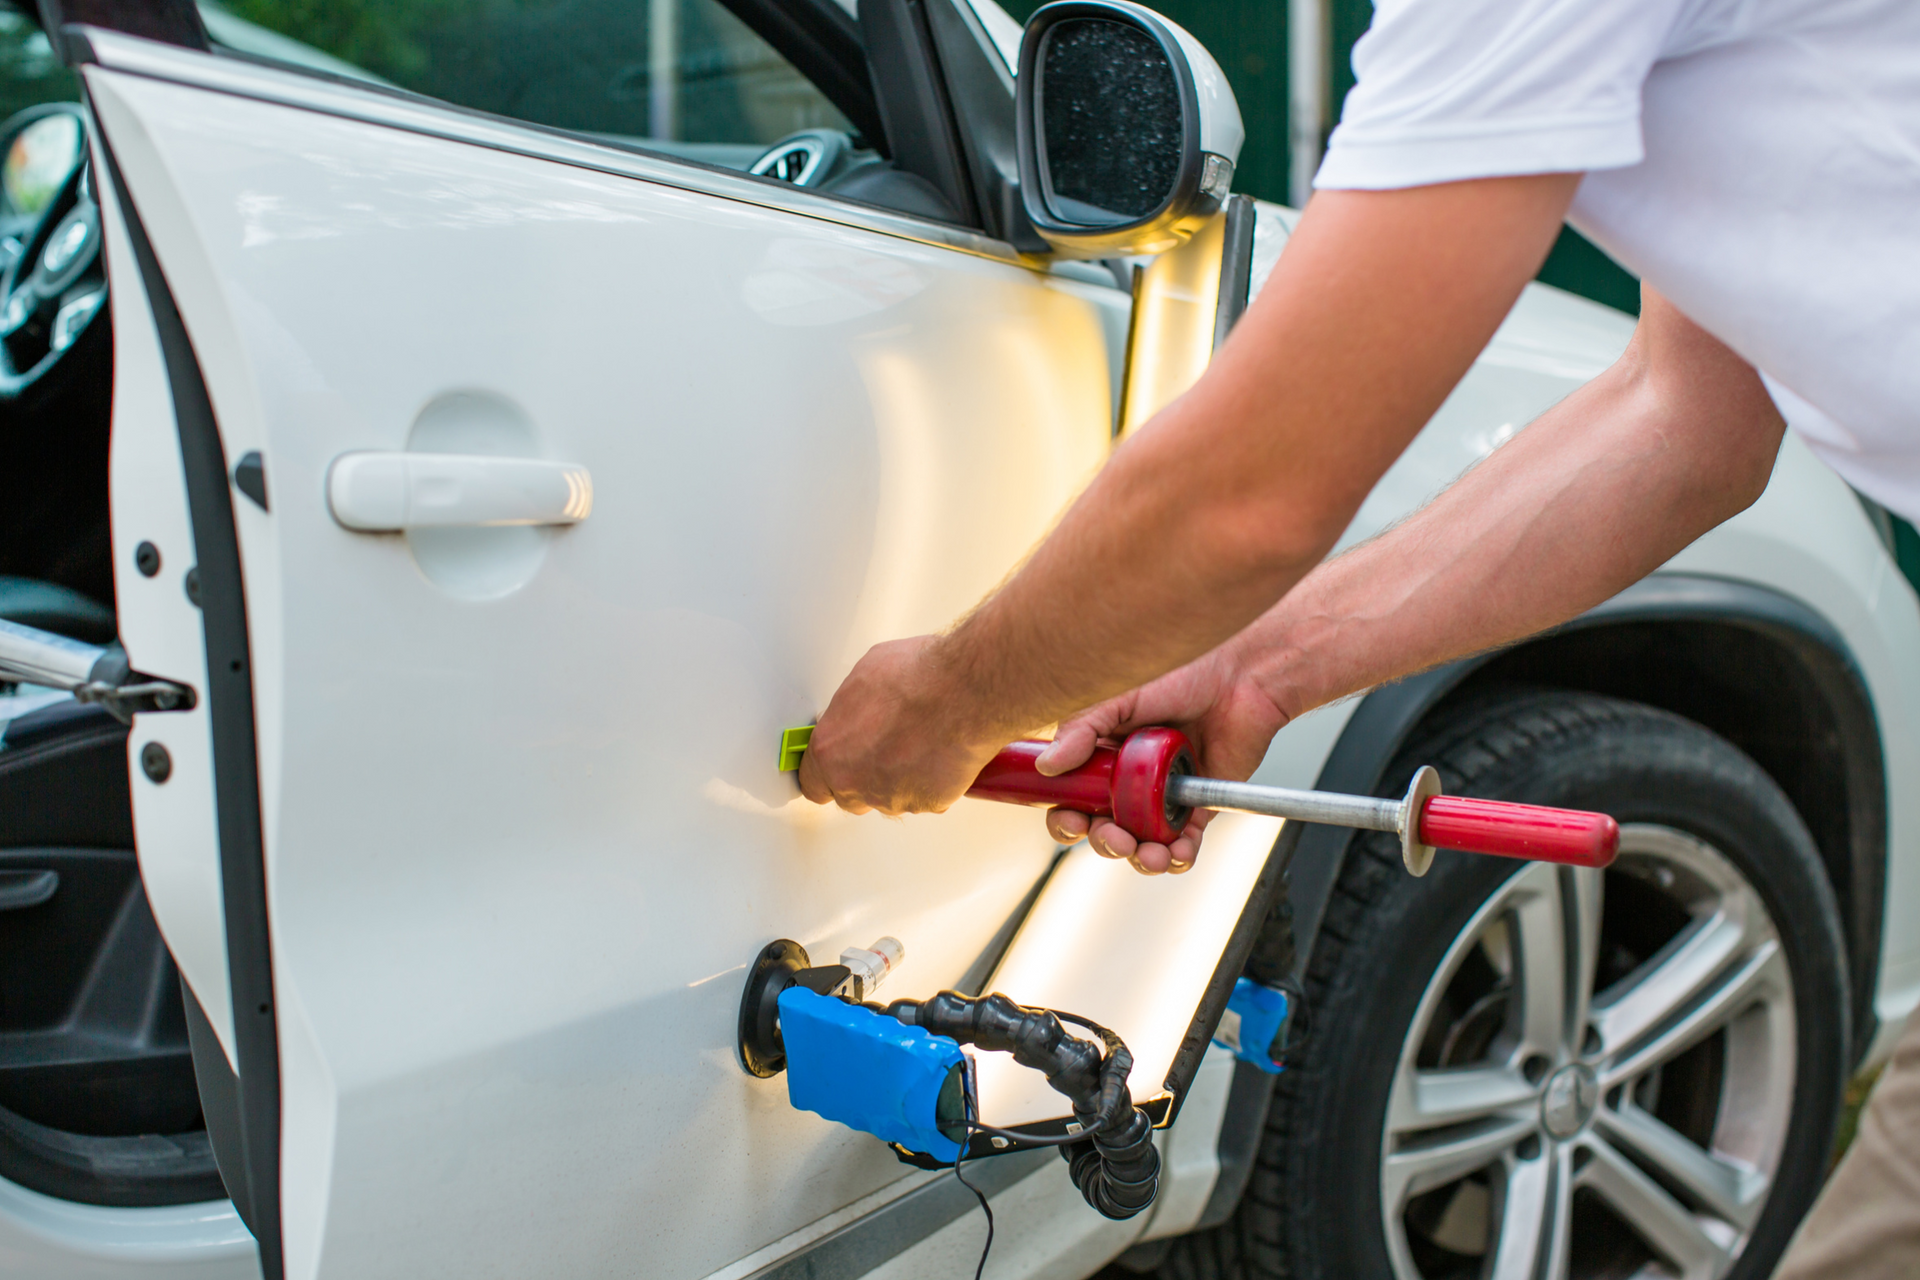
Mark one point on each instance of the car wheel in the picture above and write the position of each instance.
(1523, 1070)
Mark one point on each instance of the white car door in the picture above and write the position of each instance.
(496, 811)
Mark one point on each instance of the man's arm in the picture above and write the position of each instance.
(1678, 436)
(1619, 477)
(1219, 505)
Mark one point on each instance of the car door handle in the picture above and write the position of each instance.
(22, 889)
(378, 492)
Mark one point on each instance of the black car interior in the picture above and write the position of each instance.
(98, 1101)
(931, 100)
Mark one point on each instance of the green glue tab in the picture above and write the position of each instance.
(793, 745)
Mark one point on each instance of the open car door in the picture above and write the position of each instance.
(511, 493)
(520, 819)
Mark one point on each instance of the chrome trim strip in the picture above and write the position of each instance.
(114, 51)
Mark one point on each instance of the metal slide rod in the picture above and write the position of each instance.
(1365, 812)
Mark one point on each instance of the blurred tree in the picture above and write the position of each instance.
(571, 64)
(386, 37)
(29, 73)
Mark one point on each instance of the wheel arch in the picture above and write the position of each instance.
(1728, 654)
(1741, 649)
(1741, 644)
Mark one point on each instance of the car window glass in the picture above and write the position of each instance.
(683, 76)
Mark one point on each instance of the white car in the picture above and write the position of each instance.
(492, 480)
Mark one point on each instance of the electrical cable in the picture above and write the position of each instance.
(1021, 1141)
(978, 1194)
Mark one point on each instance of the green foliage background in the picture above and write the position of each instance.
(571, 64)
(29, 73)
(390, 38)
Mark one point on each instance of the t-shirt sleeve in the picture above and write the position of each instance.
(1453, 89)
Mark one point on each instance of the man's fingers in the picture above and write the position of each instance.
(812, 785)
(1152, 859)
(1072, 747)
(1068, 825)
(1111, 840)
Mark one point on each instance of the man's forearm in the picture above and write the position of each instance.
(1237, 490)
(1600, 491)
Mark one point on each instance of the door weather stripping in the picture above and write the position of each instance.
(90, 672)
(389, 492)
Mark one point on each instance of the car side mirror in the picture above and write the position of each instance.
(1127, 130)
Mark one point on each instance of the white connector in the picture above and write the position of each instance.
(871, 965)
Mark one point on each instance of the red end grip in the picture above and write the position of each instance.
(1127, 783)
(1570, 836)
(1147, 759)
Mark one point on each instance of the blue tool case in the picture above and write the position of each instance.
(872, 1072)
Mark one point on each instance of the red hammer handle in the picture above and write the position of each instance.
(1011, 778)
(1508, 830)
(1127, 783)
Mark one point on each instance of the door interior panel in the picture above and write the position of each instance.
(97, 1095)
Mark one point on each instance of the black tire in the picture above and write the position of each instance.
(1313, 1207)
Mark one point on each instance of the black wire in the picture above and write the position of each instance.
(971, 1125)
(1057, 1140)
(978, 1194)
(1031, 1139)
(1088, 1023)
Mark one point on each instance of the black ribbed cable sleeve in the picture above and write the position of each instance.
(1117, 1167)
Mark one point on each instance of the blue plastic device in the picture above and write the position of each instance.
(1254, 1016)
(869, 1071)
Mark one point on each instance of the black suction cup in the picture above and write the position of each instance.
(761, 1052)
(782, 963)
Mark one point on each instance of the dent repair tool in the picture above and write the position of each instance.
(1147, 786)
(897, 1070)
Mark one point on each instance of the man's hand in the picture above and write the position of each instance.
(890, 739)
(1215, 703)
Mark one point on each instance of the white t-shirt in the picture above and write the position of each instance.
(1756, 161)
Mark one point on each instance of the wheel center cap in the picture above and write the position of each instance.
(1567, 1103)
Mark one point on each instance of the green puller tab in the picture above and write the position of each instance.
(793, 745)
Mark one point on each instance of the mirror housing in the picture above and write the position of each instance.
(1127, 130)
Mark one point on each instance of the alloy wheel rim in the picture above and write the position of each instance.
(1527, 1135)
